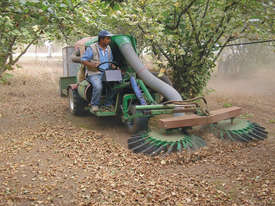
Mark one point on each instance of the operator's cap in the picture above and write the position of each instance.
(104, 33)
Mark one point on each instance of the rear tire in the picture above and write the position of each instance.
(76, 103)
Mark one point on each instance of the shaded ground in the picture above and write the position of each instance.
(49, 157)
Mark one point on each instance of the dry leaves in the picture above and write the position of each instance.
(46, 159)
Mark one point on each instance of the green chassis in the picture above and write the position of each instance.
(123, 102)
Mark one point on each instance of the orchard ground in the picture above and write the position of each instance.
(50, 157)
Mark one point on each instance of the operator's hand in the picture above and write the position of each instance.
(92, 65)
(95, 63)
(114, 66)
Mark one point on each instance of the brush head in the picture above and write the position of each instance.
(239, 130)
(157, 141)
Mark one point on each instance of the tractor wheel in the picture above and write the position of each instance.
(137, 124)
(76, 103)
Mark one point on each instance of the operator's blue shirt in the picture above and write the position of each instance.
(103, 56)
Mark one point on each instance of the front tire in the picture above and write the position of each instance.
(76, 103)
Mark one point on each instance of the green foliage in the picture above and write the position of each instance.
(24, 22)
(189, 34)
(185, 36)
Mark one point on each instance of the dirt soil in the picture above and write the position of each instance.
(49, 157)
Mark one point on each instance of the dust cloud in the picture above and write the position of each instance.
(261, 82)
(44, 69)
(247, 74)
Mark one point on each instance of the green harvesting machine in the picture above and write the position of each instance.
(158, 118)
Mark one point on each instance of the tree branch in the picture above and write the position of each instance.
(180, 15)
(24, 51)
(204, 14)
(223, 46)
(9, 53)
(194, 30)
(160, 49)
(231, 38)
(220, 25)
(78, 4)
(10, 49)
(205, 10)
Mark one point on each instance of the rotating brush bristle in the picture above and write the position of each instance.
(239, 130)
(157, 142)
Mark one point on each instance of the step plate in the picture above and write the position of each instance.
(103, 114)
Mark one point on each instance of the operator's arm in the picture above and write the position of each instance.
(86, 60)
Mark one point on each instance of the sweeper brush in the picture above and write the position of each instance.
(154, 142)
(239, 130)
(176, 134)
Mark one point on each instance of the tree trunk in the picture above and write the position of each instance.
(3, 65)
(2, 70)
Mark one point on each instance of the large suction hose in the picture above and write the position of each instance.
(149, 79)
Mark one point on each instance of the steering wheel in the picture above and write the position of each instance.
(107, 62)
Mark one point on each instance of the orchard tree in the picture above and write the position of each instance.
(191, 34)
(24, 22)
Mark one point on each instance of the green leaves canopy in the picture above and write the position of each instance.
(24, 22)
(191, 34)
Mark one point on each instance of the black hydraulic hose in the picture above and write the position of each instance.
(149, 79)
